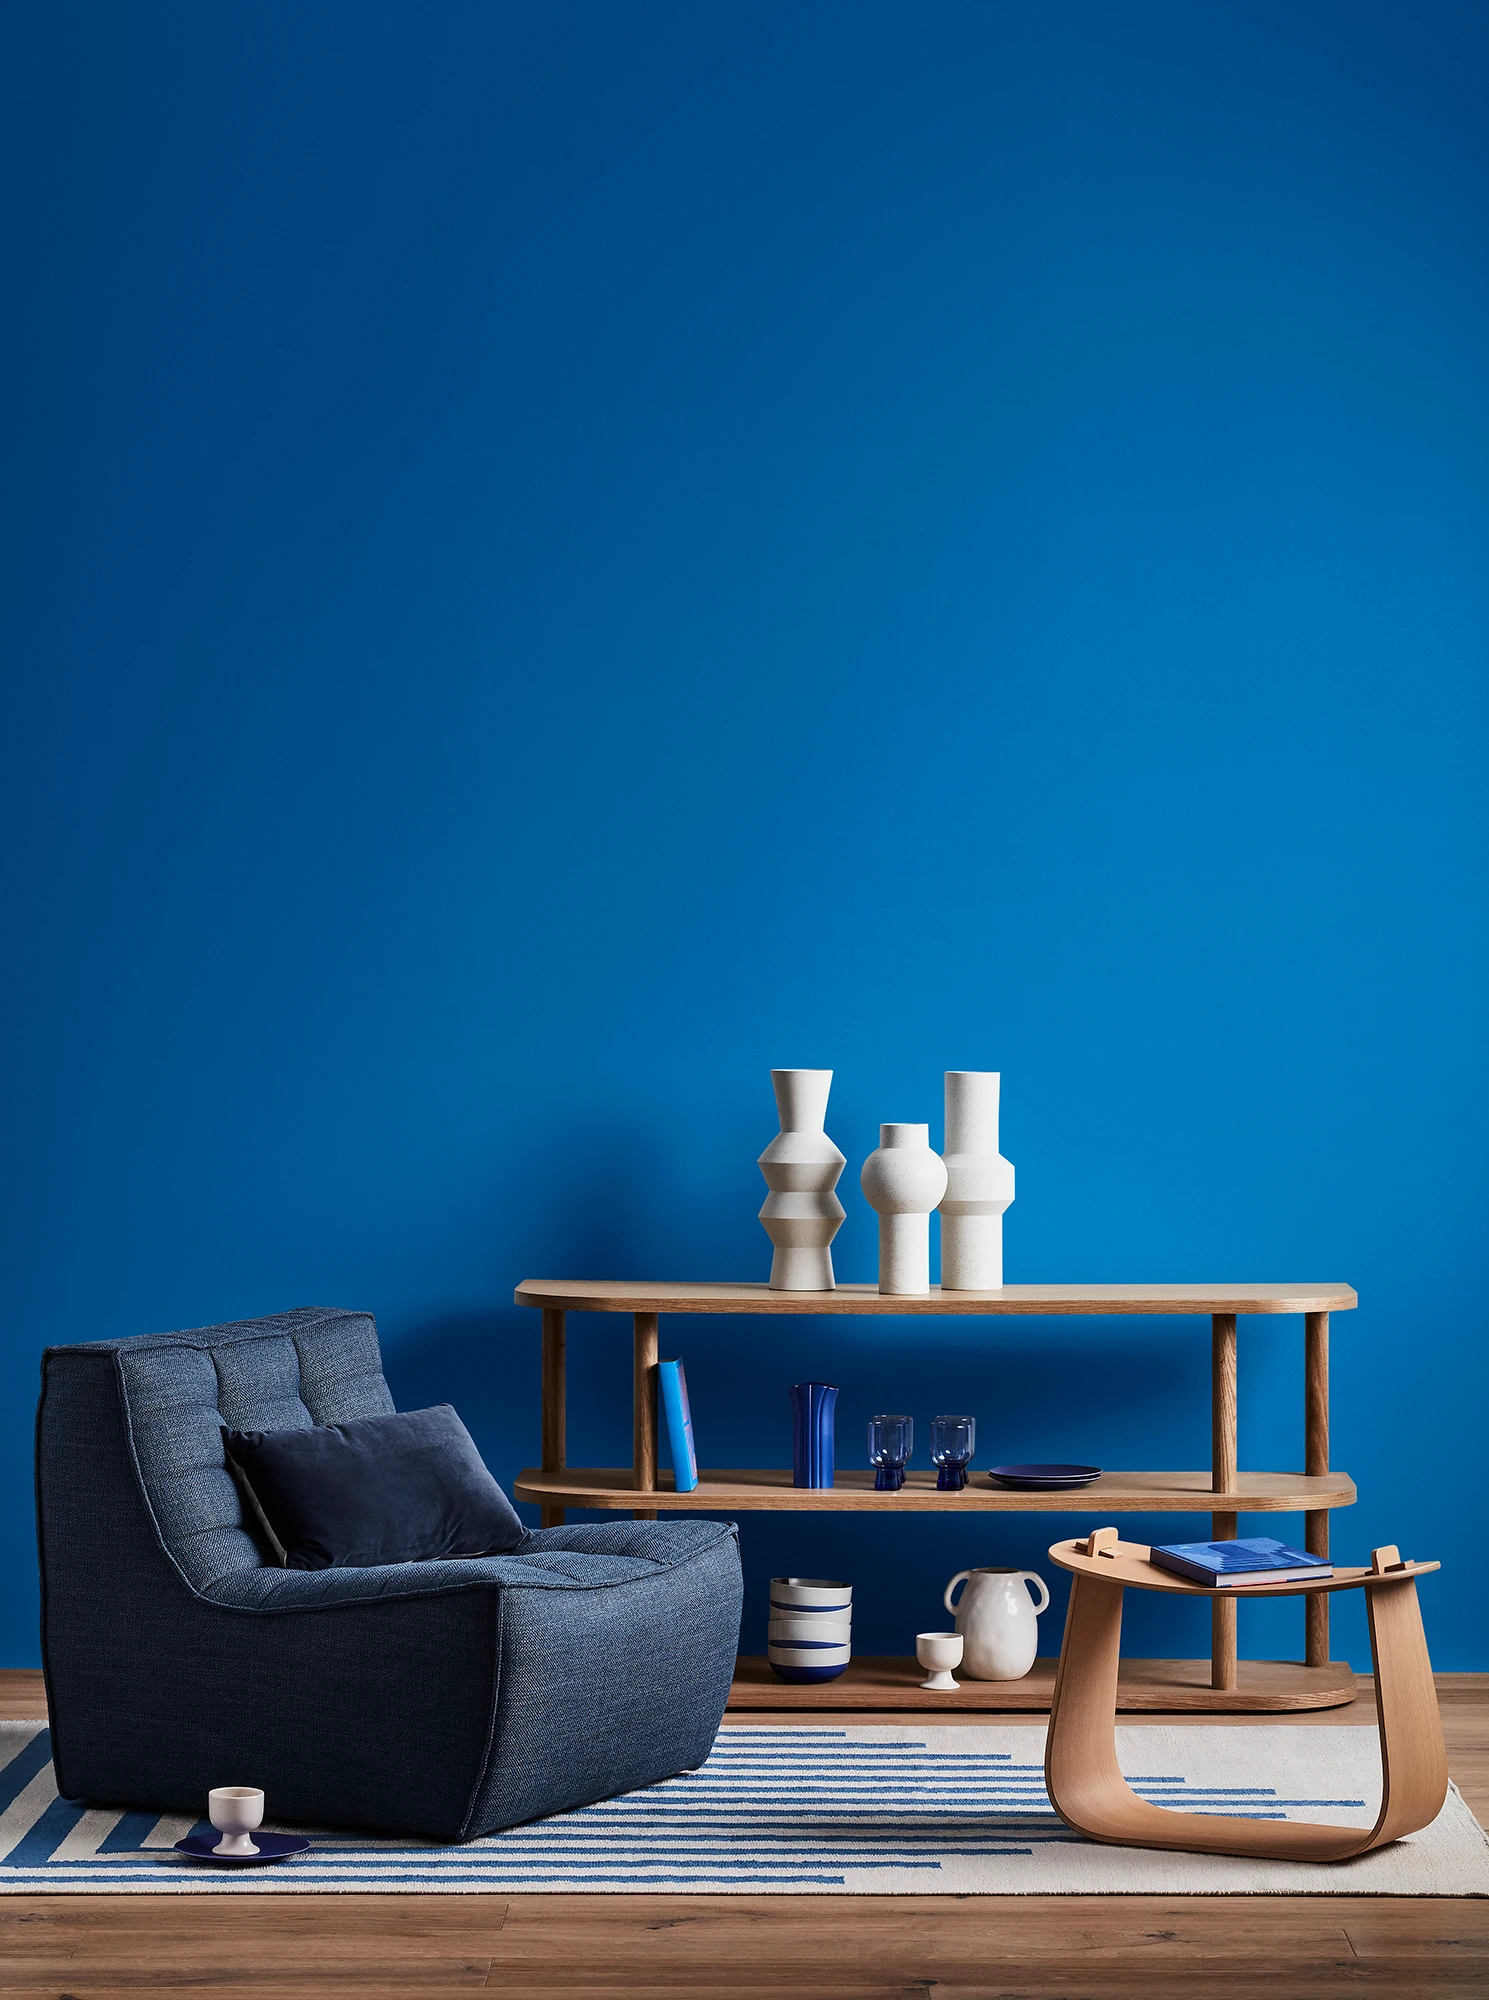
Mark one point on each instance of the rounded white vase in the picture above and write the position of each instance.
(979, 1184)
(998, 1621)
(801, 1214)
(903, 1181)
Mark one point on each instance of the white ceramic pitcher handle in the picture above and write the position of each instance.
(1028, 1576)
(962, 1576)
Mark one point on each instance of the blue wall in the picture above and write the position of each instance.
(567, 554)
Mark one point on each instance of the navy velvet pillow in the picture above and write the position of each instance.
(394, 1489)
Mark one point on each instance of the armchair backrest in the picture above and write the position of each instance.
(173, 1393)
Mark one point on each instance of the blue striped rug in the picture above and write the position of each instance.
(948, 1810)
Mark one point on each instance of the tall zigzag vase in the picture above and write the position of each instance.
(801, 1165)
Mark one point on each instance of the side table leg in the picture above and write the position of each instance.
(644, 1412)
(1412, 1752)
(555, 1416)
(1223, 1480)
(1316, 1461)
(1081, 1772)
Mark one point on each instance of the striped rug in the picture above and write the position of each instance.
(866, 1811)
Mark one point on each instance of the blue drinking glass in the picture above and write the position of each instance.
(891, 1441)
(953, 1440)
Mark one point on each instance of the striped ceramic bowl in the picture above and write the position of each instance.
(796, 1594)
(831, 1630)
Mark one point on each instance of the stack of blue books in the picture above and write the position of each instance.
(1231, 1565)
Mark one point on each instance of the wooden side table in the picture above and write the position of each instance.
(1223, 1491)
(1085, 1782)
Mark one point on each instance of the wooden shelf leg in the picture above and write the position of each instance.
(1316, 1460)
(644, 1412)
(1223, 1468)
(555, 1415)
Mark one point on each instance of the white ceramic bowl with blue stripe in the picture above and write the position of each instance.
(810, 1663)
(785, 1631)
(809, 1593)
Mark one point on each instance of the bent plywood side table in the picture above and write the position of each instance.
(1081, 1772)
(1222, 1490)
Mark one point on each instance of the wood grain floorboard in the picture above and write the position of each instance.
(22, 1694)
(778, 1947)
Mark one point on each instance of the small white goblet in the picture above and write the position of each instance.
(939, 1651)
(236, 1811)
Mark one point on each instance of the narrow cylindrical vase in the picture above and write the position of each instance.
(979, 1185)
(812, 1408)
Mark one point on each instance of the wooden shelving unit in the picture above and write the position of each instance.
(1224, 1492)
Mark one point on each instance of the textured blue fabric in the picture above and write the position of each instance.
(632, 1680)
(444, 1698)
(286, 1373)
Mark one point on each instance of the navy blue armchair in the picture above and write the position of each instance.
(446, 1698)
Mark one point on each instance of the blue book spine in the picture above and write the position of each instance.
(674, 1387)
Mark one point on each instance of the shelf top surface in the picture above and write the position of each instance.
(628, 1296)
(1130, 1563)
(770, 1488)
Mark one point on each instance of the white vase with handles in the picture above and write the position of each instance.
(904, 1180)
(998, 1622)
(801, 1214)
(979, 1184)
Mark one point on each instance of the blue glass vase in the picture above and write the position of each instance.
(812, 1407)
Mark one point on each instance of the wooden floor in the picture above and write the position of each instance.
(779, 1947)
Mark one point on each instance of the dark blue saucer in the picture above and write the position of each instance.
(271, 1847)
(1043, 1478)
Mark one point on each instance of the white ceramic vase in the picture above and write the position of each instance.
(801, 1214)
(904, 1180)
(998, 1623)
(979, 1184)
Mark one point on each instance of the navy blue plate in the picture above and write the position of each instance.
(1043, 1478)
(271, 1847)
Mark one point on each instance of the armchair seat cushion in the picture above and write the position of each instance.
(581, 1558)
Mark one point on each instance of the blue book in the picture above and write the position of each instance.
(1230, 1565)
(674, 1389)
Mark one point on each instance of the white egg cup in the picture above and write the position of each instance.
(939, 1651)
(236, 1811)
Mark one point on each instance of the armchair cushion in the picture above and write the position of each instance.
(407, 1487)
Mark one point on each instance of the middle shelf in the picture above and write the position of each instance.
(769, 1488)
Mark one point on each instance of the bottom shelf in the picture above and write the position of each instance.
(1172, 1686)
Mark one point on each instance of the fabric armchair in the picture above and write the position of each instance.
(447, 1698)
